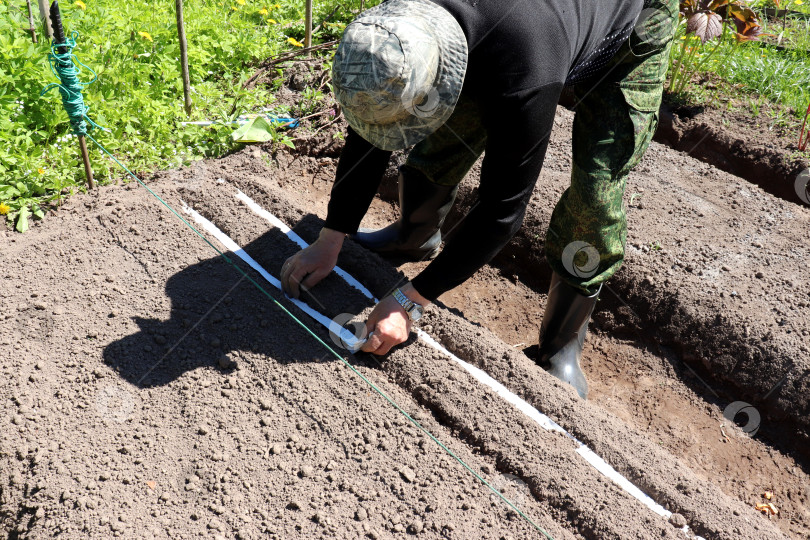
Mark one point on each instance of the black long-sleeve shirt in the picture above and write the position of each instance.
(521, 54)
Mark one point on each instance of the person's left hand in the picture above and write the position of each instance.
(389, 325)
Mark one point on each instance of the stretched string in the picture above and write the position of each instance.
(66, 67)
(326, 345)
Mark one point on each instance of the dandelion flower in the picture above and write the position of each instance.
(263, 11)
(4, 208)
(293, 41)
(79, 4)
(41, 170)
(240, 2)
(271, 21)
(145, 35)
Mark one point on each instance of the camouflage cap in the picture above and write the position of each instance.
(399, 70)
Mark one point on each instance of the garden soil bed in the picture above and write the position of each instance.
(732, 141)
(743, 146)
(122, 421)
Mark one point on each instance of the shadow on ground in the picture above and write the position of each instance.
(218, 316)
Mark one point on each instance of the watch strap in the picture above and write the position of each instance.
(406, 303)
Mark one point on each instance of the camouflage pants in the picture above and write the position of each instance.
(616, 115)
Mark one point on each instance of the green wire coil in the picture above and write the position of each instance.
(67, 67)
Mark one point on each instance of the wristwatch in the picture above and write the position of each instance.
(413, 309)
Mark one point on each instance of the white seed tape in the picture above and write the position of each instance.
(349, 339)
(547, 423)
(481, 376)
(280, 225)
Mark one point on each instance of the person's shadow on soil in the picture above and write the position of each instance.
(217, 314)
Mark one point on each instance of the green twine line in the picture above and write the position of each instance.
(330, 349)
(65, 66)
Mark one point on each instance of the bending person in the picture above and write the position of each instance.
(458, 78)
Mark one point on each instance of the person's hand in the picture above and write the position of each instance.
(388, 324)
(310, 265)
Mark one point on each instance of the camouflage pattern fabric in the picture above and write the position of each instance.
(448, 153)
(614, 123)
(399, 70)
(616, 115)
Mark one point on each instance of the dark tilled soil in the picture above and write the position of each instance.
(716, 274)
(731, 137)
(645, 373)
(717, 271)
(123, 422)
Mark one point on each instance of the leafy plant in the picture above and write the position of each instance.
(311, 98)
(133, 48)
(138, 96)
(702, 21)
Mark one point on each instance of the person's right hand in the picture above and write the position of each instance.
(310, 265)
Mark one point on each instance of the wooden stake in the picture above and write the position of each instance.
(88, 172)
(308, 25)
(181, 34)
(31, 27)
(44, 14)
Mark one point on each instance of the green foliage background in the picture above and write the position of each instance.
(138, 95)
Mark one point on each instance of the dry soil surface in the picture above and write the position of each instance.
(152, 390)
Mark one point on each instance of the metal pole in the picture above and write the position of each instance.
(59, 38)
(181, 34)
(31, 27)
(308, 25)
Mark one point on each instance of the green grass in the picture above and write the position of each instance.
(133, 48)
(757, 72)
(138, 95)
(784, 79)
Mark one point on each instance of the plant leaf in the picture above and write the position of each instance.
(715, 4)
(742, 13)
(22, 219)
(256, 130)
(705, 25)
